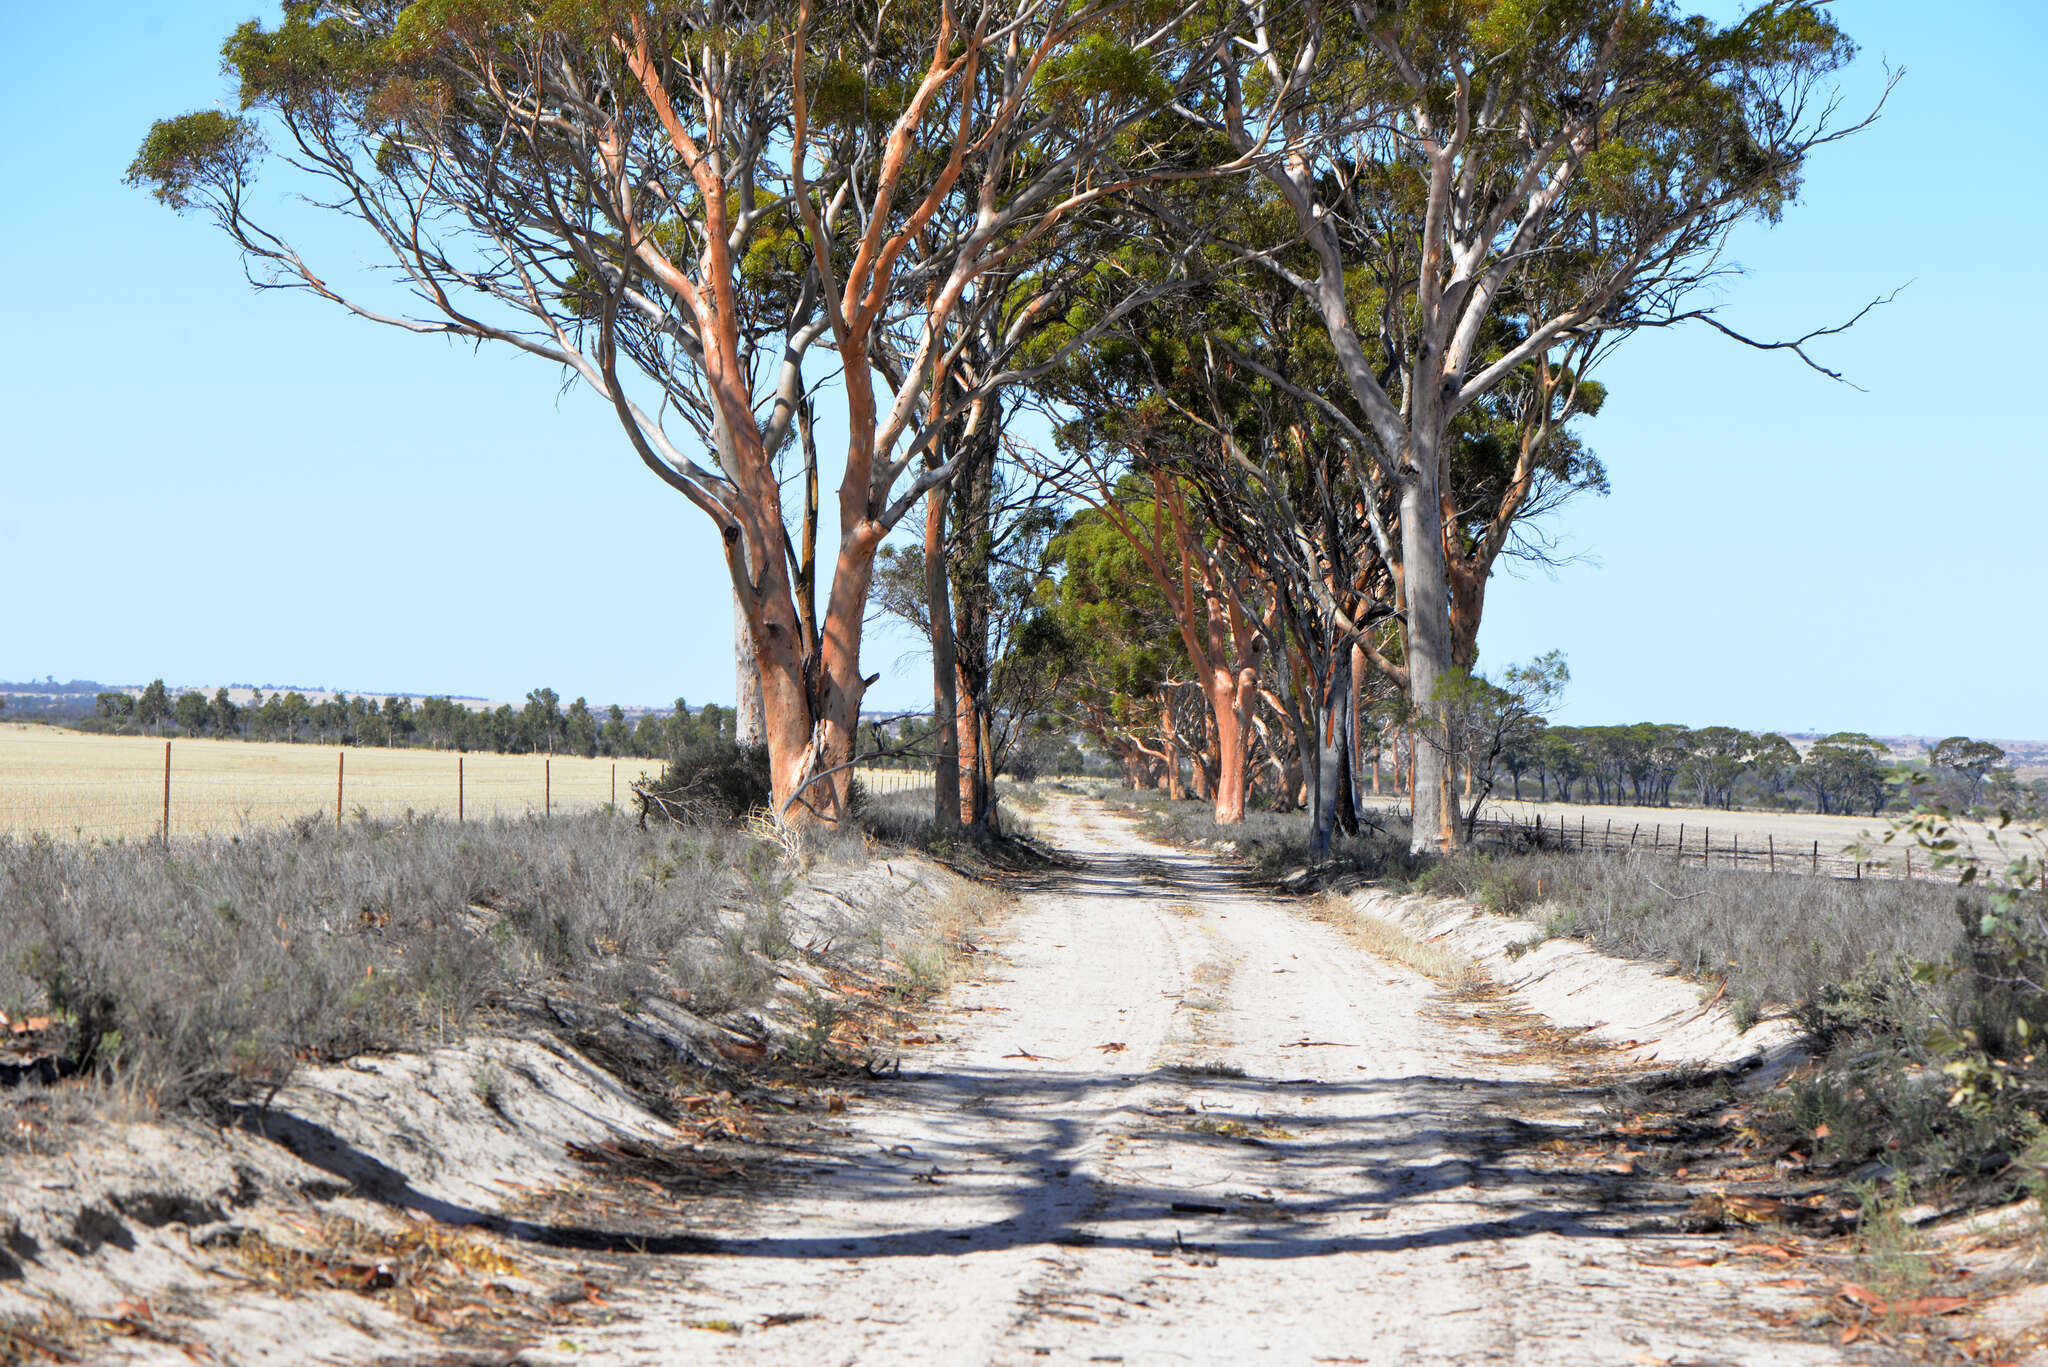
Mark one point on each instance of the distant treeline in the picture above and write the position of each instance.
(1649, 764)
(542, 726)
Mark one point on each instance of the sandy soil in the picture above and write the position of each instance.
(1177, 1121)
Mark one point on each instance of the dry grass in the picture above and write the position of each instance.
(1773, 940)
(71, 784)
(215, 967)
(1389, 941)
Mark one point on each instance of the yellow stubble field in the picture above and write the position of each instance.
(73, 785)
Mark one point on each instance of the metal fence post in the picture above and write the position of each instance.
(167, 795)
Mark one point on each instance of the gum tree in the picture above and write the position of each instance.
(1569, 168)
(674, 203)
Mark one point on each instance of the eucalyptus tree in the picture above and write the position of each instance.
(1123, 454)
(1970, 761)
(1496, 725)
(674, 203)
(1570, 167)
(968, 591)
(1845, 771)
(1104, 634)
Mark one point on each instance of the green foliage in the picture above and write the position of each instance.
(1844, 773)
(303, 58)
(203, 148)
(153, 708)
(1101, 66)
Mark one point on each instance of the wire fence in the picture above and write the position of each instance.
(1685, 840)
(879, 781)
(131, 788)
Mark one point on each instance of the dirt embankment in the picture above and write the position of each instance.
(411, 1203)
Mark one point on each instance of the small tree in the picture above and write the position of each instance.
(579, 728)
(193, 713)
(541, 719)
(153, 708)
(1844, 771)
(227, 718)
(1486, 721)
(1970, 762)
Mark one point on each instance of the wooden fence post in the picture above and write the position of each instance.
(167, 795)
(1606, 835)
(340, 764)
(1773, 845)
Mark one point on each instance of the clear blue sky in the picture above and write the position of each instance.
(209, 485)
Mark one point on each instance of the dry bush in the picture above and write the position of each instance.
(220, 963)
(1774, 939)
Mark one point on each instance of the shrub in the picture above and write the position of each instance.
(708, 780)
(218, 963)
(1818, 945)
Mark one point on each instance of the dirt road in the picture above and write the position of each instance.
(1181, 1122)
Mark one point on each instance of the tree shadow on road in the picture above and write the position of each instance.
(1452, 1157)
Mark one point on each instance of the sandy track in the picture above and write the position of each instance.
(1373, 1188)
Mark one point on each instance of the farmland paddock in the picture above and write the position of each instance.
(72, 785)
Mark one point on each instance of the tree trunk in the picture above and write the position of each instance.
(1428, 652)
(1170, 742)
(1354, 757)
(968, 567)
(945, 668)
(748, 727)
(971, 726)
(818, 772)
(1332, 790)
(1232, 695)
(1409, 739)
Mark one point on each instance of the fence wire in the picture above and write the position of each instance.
(881, 781)
(1684, 841)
